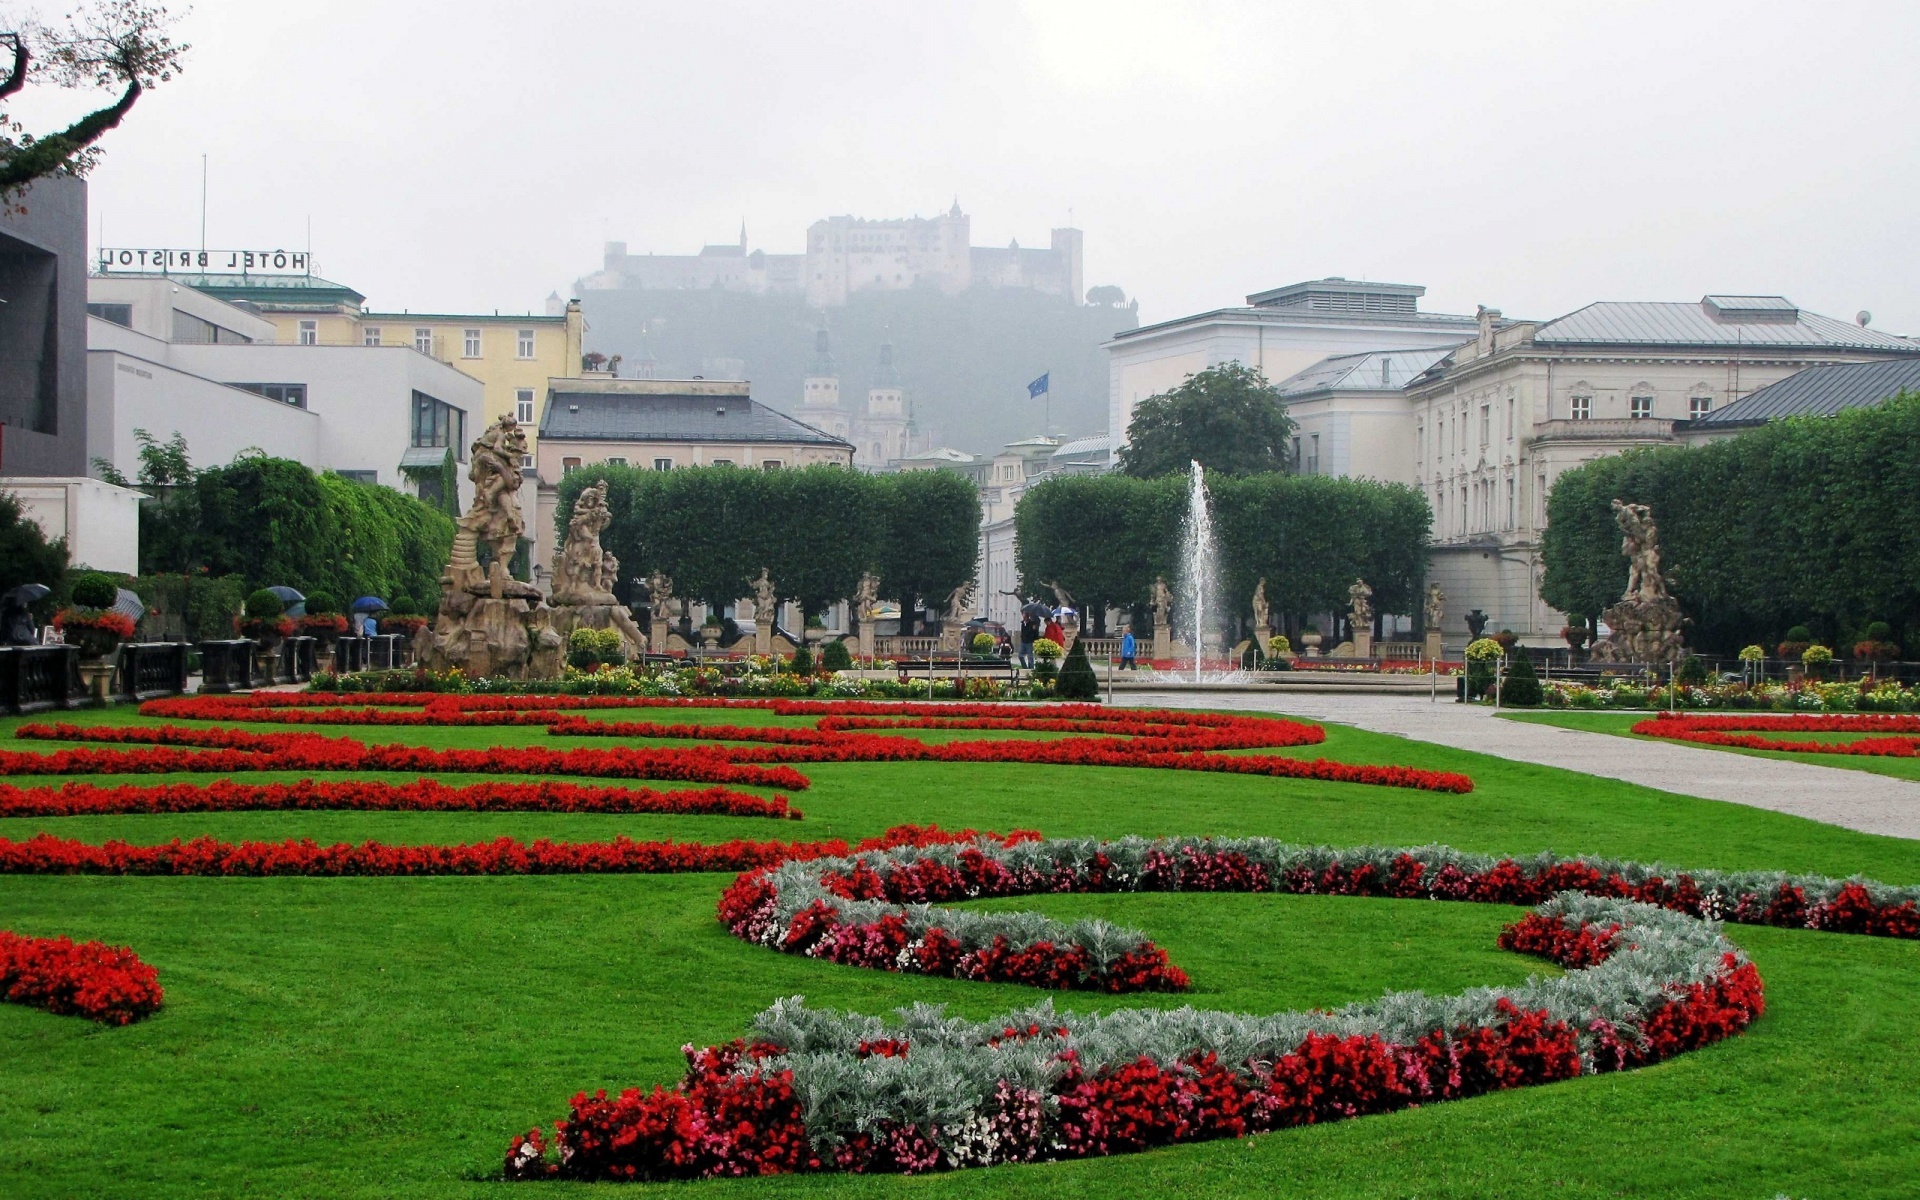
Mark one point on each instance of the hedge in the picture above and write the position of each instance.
(1806, 521)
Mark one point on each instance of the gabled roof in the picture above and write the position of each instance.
(656, 410)
(1373, 371)
(1715, 321)
(1820, 392)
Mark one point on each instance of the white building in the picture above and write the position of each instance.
(1498, 420)
(100, 521)
(1279, 332)
(165, 358)
(1354, 415)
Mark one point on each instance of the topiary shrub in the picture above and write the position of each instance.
(404, 606)
(321, 604)
(95, 590)
(591, 649)
(1796, 642)
(834, 656)
(983, 644)
(1483, 657)
(1521, 687)
(263, 605)
(1076, 675)
(802, 663)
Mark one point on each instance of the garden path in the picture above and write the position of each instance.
(1851, 799)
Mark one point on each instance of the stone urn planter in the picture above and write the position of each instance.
(1311, 640)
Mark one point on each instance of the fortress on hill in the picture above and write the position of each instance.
(852, 254)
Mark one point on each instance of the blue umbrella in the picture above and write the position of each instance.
(291, 600)
(367, 604)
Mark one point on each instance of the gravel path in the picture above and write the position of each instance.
(1852, 799)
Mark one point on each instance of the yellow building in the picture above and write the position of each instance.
(512, 355)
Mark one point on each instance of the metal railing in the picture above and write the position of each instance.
(39, 678)
(149, 670)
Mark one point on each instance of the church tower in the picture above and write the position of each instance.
(820, 397)
(881, 436)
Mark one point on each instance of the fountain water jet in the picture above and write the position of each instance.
(1199, 567)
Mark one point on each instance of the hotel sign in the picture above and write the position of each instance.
(212, 262)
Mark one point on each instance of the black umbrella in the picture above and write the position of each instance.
(27, 593)
(1036, 609)
(291, 600)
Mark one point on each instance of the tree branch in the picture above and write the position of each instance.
(56, 150)
(17, 79)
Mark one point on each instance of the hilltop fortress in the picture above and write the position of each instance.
(852, 254)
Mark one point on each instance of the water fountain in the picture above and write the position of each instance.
(1199, 568)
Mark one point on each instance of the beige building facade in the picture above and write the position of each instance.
(1498, 420)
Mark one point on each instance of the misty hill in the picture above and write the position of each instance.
(964, 360)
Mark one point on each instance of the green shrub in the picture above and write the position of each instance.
(1799, 633)
(802, 663)
(321, 604)
(1076, 675)
(95, 590)
(1521, 687)
(1046, 649)
(1878, 631)
(983, 643)
(26, 556)
(834, 656)
(404, 606)
(590, 648)
(1692, 670)
(263, 605)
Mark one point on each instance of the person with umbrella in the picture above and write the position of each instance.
(364, 608)
(1031, 615)
(16, 621)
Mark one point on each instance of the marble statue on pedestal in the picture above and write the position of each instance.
(865, 607)
(1646, 625)
(1161, 598)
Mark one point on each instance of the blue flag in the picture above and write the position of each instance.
(1038, 387)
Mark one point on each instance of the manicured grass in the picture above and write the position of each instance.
(384, 1037)
(1621, 724)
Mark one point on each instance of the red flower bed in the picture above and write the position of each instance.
(108, 984)
(366, 795)
(845, 731)
(1720, 731)
(118, 624)
(44, 854)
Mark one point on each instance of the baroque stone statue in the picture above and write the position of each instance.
(764, 599)
(1161, 597)
(577, 576)
(953, 630)
(1436, 605)
(1360, 604)
(1646, 625)
(866, 596)
(1260, 609)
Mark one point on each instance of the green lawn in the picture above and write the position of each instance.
(385, 1037)
(1621, 724)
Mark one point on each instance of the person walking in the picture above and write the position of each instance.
(1126, 651)
(1056, 634)
(1029, 634)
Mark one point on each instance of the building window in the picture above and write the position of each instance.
(616, 461)
(1640, 407)
(1540, 502)
(663, 464)
(1313, 455)
(523, 405)
(1699, 406)
(721, 462)
(370, 336)
(1510, 407)
(1296, 456)
(526, 460)
(119, 314)
(286, 393)
(367, 477)
(526, 343)
(437, 423)
(771, 464)
(1581, 408)
(569, 465)
(472, 347)
(309, 333)
(1486, 425)
(423, 341)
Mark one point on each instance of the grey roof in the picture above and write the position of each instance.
(1373, 371)
(627, 417)
(1098, 443)
(1339, 294)
(1820, 392)
(1658, 323)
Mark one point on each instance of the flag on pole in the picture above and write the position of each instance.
(1038, 387)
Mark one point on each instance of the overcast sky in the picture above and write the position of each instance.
(475, 155)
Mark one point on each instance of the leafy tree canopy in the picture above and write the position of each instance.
(1228, 419)
(26, 556)
(113, 45)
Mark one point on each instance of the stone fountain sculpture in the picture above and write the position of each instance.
(1360, 616)
(1160, 596)
(1645, 626)
(584, 576)
(953, 630)
(490, 624)
(1262, 628)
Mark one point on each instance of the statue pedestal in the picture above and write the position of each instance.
(1363, 643)
(1644, 631)
(489, 640)
(866, 639)
(1262, 635)
(1162, 641)
(1433, 646)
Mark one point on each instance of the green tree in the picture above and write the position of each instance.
(1077, 681)
(1228, 419)
(26, 556)
(121, 45)
(929, 538)
(1101, 537)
